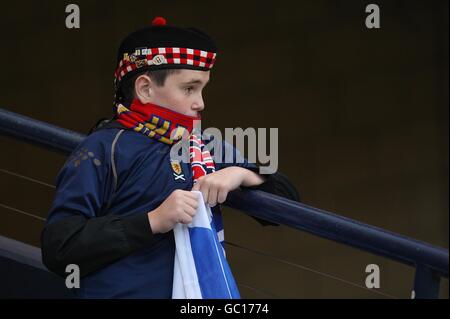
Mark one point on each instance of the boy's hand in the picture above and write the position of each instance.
(216, 186)
(179, 207)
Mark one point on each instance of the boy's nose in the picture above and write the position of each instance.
(198, 106)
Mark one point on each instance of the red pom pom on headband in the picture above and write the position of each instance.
(159, 21)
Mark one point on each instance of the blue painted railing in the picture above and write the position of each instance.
(431, 262)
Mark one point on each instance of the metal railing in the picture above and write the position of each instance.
(431, 262)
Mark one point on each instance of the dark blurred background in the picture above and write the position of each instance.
(362, 117)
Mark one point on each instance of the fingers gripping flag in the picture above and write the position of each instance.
(201, 270)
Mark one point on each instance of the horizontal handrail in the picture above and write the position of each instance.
(340, 229)
(39, 133)
(267, 206)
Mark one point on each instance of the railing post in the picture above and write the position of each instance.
(426, 283)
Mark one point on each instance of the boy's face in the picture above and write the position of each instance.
(182, 92)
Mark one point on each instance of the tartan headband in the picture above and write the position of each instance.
(171, 57)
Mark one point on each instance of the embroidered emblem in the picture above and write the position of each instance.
(141, 63)
(176, 167)
(132, 58)
(159, 59)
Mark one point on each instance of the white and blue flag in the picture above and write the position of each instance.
(201, 270)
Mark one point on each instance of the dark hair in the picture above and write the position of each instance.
(126, 89)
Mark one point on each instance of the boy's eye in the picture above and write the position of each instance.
(189, 89)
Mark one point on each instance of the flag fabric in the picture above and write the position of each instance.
(201, 270)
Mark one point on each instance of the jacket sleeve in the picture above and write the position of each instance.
(79, 230)
(276, 183)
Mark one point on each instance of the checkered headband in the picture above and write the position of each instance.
(164, 57)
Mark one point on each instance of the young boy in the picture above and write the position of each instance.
(120, 194)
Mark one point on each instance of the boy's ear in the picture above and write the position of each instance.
(143, 88)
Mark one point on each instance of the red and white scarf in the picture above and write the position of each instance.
(168, 127)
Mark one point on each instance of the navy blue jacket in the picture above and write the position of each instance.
(99, 221)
